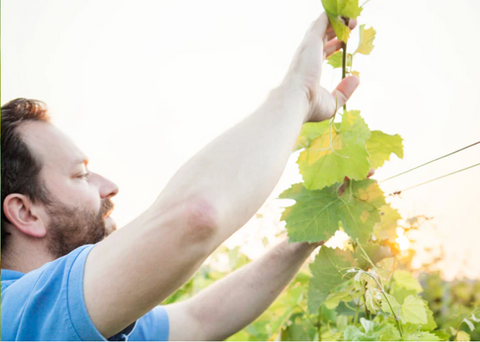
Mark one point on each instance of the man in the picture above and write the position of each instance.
(67, 274)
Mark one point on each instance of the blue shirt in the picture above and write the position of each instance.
(48, 304)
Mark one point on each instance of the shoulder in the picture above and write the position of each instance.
(33, 304)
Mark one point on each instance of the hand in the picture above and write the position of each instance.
(306, 68)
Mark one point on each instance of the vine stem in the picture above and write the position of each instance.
(306, 315)
(319, 326)
(367, 312)
(388, 301)
(344, 61)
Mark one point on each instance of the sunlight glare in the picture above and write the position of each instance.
(402, 240)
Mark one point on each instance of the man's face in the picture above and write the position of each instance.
(80, 199)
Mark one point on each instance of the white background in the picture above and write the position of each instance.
(142, 86)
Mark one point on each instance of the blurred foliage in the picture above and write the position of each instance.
(452, 309)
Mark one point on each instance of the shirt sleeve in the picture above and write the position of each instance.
(48, 304)
(154, 326)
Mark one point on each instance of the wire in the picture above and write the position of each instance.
(431, 161)
(449, 174)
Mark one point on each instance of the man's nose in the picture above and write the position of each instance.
(108, 188)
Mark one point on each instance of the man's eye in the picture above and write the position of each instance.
(84, 175)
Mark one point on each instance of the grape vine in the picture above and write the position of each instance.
(336, 194)
(364, 290)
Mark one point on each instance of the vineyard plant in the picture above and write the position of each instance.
(364, 291)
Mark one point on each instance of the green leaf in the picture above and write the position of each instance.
(375, 253)
(443, 335)
(406, 280)
(475, 319)
(390, 333)
(380, 146)
(328, 315)
(469, 323)
(334, 299)
(342, 322)
(327, 274)
(387, 228)
(316, 214)
(462, 336)
(373, 298)
(401, 293)
(374, 331)
(420, 336)
(332, 155)
(300, 330)
(365, 45)
(431, 324)
(338, 8)
(413, 310)
(352, 333)
(367, 325)
(393, 302)
(335, 60)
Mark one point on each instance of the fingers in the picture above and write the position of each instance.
(324, 29)
(331, 33)
(332, 46)
(320, 25)
(345, 90)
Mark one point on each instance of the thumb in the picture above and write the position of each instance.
(345, 89)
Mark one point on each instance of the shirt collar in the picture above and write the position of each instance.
(11, 275)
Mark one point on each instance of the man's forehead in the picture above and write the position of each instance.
(51, 144)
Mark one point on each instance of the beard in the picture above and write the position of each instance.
(71, 228)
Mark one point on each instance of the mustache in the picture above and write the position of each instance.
(107, 208)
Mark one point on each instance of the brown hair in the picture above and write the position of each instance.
(20, 167)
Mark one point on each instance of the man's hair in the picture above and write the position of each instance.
(20, 167)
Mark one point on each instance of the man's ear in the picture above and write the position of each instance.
(24, 215)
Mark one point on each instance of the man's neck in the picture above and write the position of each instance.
(25, 260)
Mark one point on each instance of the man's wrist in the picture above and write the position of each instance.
(293, 90)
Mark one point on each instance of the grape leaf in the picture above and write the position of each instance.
(412, 333)
(469, 323)
(334, 299)
(393, 302)
(335, 60)
(310, 131)
(365, 45)
(380, 146)
(327, 274)
(406, 280)
(367, 325)
(374, 331)
(462, 336)
(401, 293)
(331, 155)
(375, 253)
(413, 310)
(316, 214)
(338, 8)
(387, 228)
(373, 299)
(420, 336)
(431, 324)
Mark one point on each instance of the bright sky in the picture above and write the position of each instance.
(142, 86)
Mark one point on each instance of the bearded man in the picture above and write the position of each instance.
(67, 274)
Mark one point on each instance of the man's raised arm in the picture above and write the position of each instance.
(211, 196)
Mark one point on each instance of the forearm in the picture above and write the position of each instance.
(238, 170)
(238, 299)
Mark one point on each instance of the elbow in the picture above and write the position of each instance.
(201, 220)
